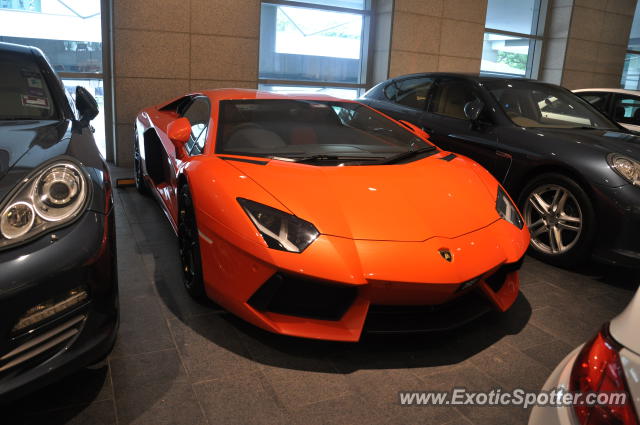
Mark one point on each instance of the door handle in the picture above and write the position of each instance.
(503, 154)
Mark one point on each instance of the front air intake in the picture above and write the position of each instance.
(303, 297)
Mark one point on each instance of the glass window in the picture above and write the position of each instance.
(631, 72)
(537, 105)
(412, 92)
(450, 98)
(347, 4)
(504, 54)
(24, 94)
(338, 92)
(198, 114)
(631, 69)
(597, 100)
(69, 32)
(512, 39)
(627, 109)
(300, 128)
(304, 45)
(519, 16)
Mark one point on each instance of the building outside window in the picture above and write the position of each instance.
(69, 32)
(512, 38)
(631, 71)
(314, 46)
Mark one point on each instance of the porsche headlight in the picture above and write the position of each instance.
(279, 229)
(507, 210)
(53, 196)
(628, 168)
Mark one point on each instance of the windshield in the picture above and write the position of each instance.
(24, 94)
(304, 128)
(539, 105)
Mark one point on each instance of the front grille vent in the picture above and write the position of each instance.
(42, 346)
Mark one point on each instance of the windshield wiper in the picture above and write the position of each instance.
(324, 157)
(408, 154)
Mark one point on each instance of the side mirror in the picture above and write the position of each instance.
(86, 105)
(420, 132)
(179, 132)
(473, 109)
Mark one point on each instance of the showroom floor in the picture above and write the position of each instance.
(180, 362)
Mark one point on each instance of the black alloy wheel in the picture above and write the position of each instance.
(188, 240)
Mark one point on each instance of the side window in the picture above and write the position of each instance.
(412, 92)
(627, 109)
(597, 100)
(450, 98)
(198, 113)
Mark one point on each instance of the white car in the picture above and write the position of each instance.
(623, 106)
(609, 363)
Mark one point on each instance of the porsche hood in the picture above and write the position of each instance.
(433, 197)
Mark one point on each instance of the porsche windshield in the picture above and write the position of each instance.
(306, 129)
(24, 94)
(528, 104)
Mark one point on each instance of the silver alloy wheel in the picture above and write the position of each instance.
(554, 218)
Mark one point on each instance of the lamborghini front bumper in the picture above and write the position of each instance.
(339, 285)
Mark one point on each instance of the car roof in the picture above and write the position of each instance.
(605, 90)
(467, 76)
(15, 48)
(247, 94)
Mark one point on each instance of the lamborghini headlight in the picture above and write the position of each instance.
(51, 197)
(628, 168)
(507, 210)
(279, 229)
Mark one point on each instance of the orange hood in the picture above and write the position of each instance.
(406, 202)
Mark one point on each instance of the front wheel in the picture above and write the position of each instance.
(560, 218)
(188, 240)
(141, 185)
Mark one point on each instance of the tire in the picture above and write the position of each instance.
(561, 219)
(141, 184)
(189, 246)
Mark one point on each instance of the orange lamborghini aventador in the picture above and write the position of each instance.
(318, 217)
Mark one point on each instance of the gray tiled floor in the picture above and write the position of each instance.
(180, 362)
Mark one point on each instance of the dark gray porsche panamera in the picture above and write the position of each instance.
(58, 280)
(574, 172)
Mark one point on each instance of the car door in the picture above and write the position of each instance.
(626, 109)
(450, 129)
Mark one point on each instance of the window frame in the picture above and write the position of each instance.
(194, 148)
(366, 53)
(536, 39)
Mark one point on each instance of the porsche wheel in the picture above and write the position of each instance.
(189, 246)
(141, 185)
(560, 218)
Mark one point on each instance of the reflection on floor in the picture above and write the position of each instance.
(180, 362)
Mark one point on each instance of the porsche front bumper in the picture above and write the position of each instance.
(339, 285)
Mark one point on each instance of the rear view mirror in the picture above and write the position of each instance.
(86, 105)
(179, 132)
(473, 109)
